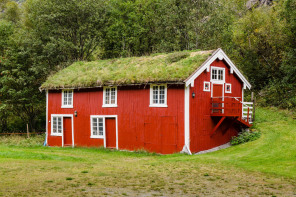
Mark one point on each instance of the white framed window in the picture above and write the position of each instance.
(110, 97)
(67, 98)
(97, 127)
(227, 88)
(207, 86)
(56, 125)
(158, 95)
(217, 74)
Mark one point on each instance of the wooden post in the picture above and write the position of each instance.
(248, 118)
(254, 104)
(28, 134)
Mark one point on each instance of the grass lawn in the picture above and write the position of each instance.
(265, 167)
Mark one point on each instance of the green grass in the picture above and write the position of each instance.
(265, 167)
(171, 67)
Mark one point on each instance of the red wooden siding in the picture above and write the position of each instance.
(158, 129)
(201, 123)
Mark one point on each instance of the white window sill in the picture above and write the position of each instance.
(58, 135)
(67, 106)
(97, 137)
(158, 105)
(218, 81)
(109, 105)
(228, 92)
(207, 90)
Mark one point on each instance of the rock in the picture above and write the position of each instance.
(258, 3)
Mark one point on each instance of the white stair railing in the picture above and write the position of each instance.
(247, 112)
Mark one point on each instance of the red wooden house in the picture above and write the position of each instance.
(190, 101)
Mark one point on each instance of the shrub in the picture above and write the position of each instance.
(245, 136)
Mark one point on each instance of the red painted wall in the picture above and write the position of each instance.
(155, 129)
(201, 123)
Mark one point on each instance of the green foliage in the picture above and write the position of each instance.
(245, 136)
(69, 30)
(22, 141)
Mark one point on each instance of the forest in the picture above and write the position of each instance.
(40, 37)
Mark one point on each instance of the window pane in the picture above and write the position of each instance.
(59, 125)
(65, 97)
(101, 129)
(113, 95)
(54, 125)
(155, 94)
(107, 95)
(161, 94)
(70, 97)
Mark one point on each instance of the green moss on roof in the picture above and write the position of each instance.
(171, 67)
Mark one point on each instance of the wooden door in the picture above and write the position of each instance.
(67, 128)
(218, 97)
(110, 129)
(168, 134)
(217, 90)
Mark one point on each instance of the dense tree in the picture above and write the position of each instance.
(39, 37)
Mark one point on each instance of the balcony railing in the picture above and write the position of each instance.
(233, 107)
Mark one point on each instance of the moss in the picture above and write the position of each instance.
(172, 67)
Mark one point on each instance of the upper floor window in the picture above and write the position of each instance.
(67, 98)
(110, 97)
(56, 126)
(158, 95)
(227, 88)
(217, 74)
(207, 86)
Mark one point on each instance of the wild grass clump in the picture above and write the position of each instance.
(23, 141)
(175, 57)
(245, 136)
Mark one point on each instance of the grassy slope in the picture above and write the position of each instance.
(263, 167)
(274, 152)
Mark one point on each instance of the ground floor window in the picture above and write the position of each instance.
(97, 127)
(57, 125)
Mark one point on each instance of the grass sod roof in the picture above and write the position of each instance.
(171, 67)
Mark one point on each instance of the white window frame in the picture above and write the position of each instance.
(217, 80)
(228, 84)
(67, 105)
(209, 84)
(165, 96)
(104, 127)
(91, 127)
(57, 133)
(104, 96)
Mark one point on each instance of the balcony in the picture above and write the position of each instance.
(233, 108)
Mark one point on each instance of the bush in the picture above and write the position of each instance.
(245, 136)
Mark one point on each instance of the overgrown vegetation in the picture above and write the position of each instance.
(265, 167)
(41, 37)
(138, 70)
(245, 136)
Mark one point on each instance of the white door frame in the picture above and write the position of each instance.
(104, 118)
(72, 124)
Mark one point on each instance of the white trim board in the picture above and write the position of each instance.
(187, 120)
(46, 129)
(220, 54)
(104, 135)
(72, 124)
